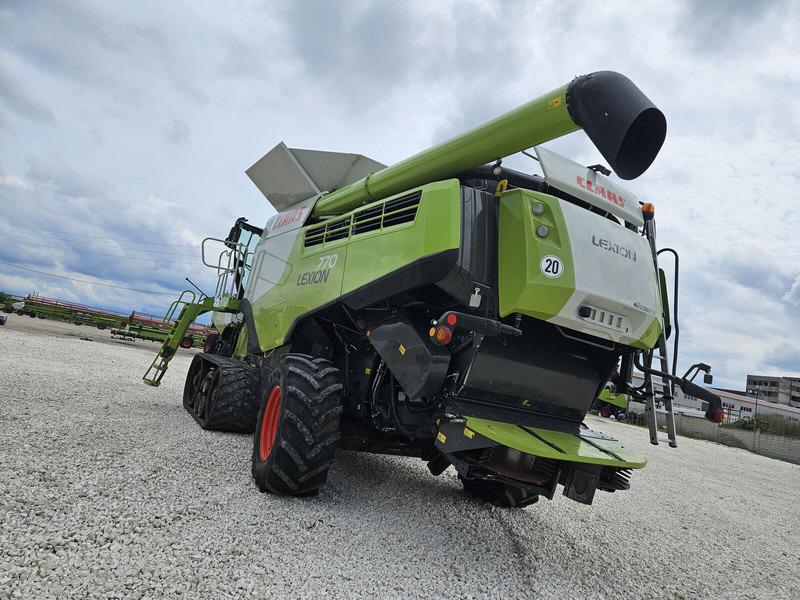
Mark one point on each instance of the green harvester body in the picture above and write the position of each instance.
(445, 307)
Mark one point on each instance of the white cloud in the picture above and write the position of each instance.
(793, 295)
(138, 121)
(13, 181)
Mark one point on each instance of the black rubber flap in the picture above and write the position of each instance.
(624, 125)
(419, 365)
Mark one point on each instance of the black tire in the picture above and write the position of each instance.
(187, 341)
(101, 326)
(209, 346)
(222, 395)
(304, 425)
(497, 493)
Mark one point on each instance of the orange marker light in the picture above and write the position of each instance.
(432, 332)
(443, 336)
(368, 332)
(648, 211)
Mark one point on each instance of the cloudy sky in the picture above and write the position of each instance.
(125, 130)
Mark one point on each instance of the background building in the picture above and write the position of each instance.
(783, 390)
(736, 406)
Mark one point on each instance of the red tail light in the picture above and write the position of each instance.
(718, 416)
(442, 335)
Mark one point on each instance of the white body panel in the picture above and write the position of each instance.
(596, 189)
(614, 274)
(270, 257)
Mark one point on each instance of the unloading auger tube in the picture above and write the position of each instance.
(624, 125)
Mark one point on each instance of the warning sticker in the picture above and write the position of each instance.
(441, 437)
(402, 350)
(469, 433)
(554, 103)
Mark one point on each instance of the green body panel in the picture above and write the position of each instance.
(357, 260)
(437, 227)
(275, 311)
(575, 448)
(620, 400)
(538, 121)
(650, 337)
(522, 286)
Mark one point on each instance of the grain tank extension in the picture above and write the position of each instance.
(447, 307)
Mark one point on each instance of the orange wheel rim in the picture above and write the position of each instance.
(269, 423)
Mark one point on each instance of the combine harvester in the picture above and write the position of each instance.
(446, 307)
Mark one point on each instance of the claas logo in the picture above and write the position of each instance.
(601, 191)
(289, 217)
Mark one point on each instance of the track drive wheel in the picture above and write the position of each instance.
(497, 493)
(297, 426)
(222, 396)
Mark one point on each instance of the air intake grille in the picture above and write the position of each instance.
(335, 229)
(394, 212)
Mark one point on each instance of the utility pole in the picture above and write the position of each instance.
(758, 393)
(755, 417)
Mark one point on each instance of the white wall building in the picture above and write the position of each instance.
(736, 406)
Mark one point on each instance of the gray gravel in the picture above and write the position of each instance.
(108, 489)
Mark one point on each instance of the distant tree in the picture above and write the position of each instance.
(4, 297)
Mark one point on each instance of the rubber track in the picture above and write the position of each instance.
(308, 431)
(233, 406)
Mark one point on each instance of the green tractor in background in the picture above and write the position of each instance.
(446, 308)
(609, 403)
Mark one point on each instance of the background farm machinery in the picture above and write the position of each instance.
(134, 325)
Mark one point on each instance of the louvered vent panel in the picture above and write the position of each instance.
(394, 212)
(337, 229)
(368, 220)
(314, 236)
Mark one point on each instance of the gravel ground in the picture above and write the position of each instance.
(108, 489)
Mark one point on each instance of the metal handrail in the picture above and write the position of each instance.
(228, 262)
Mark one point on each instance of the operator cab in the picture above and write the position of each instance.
(241, 243)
